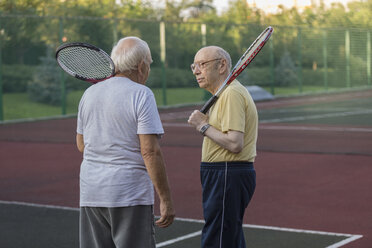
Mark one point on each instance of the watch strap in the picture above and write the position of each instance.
(204, 128)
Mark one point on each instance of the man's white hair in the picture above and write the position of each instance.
(129, 52)
(225, 55)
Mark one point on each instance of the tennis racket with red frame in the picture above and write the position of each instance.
(85, 62)
(243, 62)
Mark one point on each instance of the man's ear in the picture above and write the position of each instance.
(223, 66)
(141, 67)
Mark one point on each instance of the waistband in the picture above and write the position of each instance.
(235, 164)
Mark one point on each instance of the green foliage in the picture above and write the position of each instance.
(255, 76)
(175, 78)
(25, 37)
(15, 77)
(285, 71)
(179, 96)
(18, 105)
(239, 12)
(45, 84)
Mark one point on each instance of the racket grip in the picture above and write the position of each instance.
(208, 104)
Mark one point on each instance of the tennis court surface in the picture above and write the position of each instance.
(313, 177)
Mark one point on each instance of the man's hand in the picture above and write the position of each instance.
(154, 162)
(198, 119)
(230, 140)
(167, 214)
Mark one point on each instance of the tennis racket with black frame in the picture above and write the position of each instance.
(243, 62)
(85, 62)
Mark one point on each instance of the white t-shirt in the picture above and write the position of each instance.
(111, 115)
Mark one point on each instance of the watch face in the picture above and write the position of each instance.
(204, 128)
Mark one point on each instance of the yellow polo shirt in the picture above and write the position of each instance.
(234, 110)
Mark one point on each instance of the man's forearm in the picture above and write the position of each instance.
(232, 140)
(156, 169)
(80, 142)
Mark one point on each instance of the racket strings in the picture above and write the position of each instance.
(85, 63)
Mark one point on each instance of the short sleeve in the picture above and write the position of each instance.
(79, 126)
(148, 116)
(233, 109)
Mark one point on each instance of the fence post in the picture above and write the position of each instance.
(204, 34)
(325, 62)
(203, 29)
(347, 56)
(299, 58)
(62, 76)
(369, 58)
(162, 59)
(272, 75)
(1, 82)
(114, 31)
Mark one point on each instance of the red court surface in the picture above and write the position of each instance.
(308, 177)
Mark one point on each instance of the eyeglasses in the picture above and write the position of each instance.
(202, 65)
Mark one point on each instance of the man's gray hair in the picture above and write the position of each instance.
(127, 57)
(225, 55)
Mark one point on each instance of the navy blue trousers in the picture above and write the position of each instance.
(227, 189)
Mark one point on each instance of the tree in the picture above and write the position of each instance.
(240, 12)
(44, 86)
(197, 8)
(285, 72)
(360, 14)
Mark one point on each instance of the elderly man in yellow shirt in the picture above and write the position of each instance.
(227, 174)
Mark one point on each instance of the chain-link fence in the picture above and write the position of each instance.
(296, 59)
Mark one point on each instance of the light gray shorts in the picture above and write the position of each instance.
(120, 227)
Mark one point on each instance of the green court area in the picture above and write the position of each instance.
(356, 111)
(19, 106)
(187, 233)
(31, 225)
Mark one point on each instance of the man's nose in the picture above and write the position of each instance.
(196, 71)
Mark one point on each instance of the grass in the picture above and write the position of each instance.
(176, 96)
(284, 91)
(18, 105)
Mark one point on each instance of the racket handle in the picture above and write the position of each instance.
(209, 104)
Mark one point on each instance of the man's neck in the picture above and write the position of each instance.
(218, 86)
(131, 75)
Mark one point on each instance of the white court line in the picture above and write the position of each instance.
(274, 228)
(345, 241)
(38, 205)
(314, 99)
(297, 118)
(176, 124)
(284, 229)
(172, 241)
(299, 128)
(320, 116)
(350, 237)
(309, 128)
(291, 110)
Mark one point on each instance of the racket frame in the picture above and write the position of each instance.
(89, 46)
(235, 72)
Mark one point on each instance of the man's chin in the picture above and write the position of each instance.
(201, 85)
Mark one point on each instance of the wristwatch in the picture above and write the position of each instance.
(204, 128)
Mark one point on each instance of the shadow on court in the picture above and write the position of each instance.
(37, 226)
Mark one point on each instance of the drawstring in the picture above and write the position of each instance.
(223, 205)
